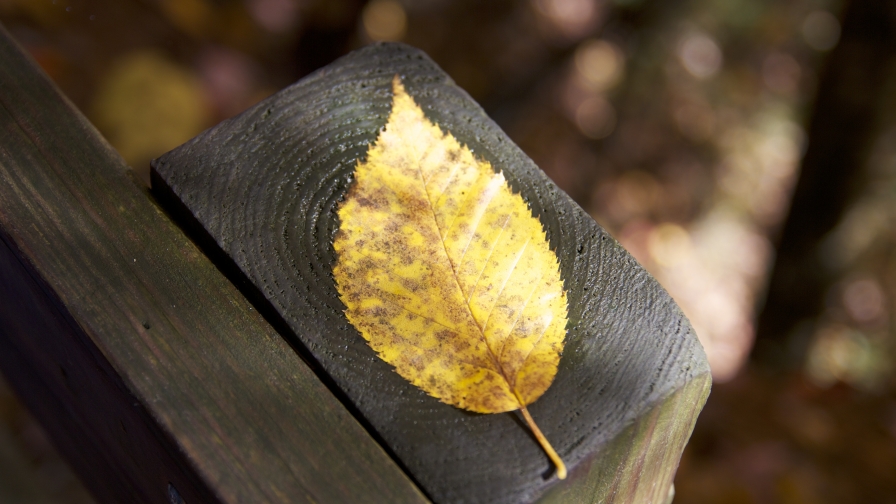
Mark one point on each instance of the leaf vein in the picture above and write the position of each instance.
(504, 285)
(487, 259)
(535, 344)
(491, 352)
(520, 315)
(449, 180)
(475, 226)
(412, 312)
(415, 345)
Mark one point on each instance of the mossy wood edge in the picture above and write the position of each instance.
(260, 193)
(145, 365)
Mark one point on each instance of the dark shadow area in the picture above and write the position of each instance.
(171, 205)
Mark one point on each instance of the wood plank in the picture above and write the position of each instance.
(146, 366)
(260, 191)
(639, 464)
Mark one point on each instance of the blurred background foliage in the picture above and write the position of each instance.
(744, 151)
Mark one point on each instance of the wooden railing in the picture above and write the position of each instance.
(160, 381)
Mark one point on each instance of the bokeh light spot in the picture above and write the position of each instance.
(669, 245)
(842, 354)
(700, 55)
(277, 16)
(384, 20)
(864, 300)
(781, 72)
(143, 90)
(600, 63)
(573, 18)
(635, 193)
(596, 117)
(821, 30)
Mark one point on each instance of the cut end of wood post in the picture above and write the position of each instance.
(561, 467)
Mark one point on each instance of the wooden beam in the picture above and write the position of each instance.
(149, 370)
(260, 191)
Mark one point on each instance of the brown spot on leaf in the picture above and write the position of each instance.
(392, 263)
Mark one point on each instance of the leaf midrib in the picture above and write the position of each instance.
(454, 275)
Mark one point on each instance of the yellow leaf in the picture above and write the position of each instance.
(446, 273)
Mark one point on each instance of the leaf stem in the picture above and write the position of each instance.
(561, 467)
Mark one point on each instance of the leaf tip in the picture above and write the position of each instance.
(397, 86)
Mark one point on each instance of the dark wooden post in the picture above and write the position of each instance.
(259, 192)
(151, 373)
